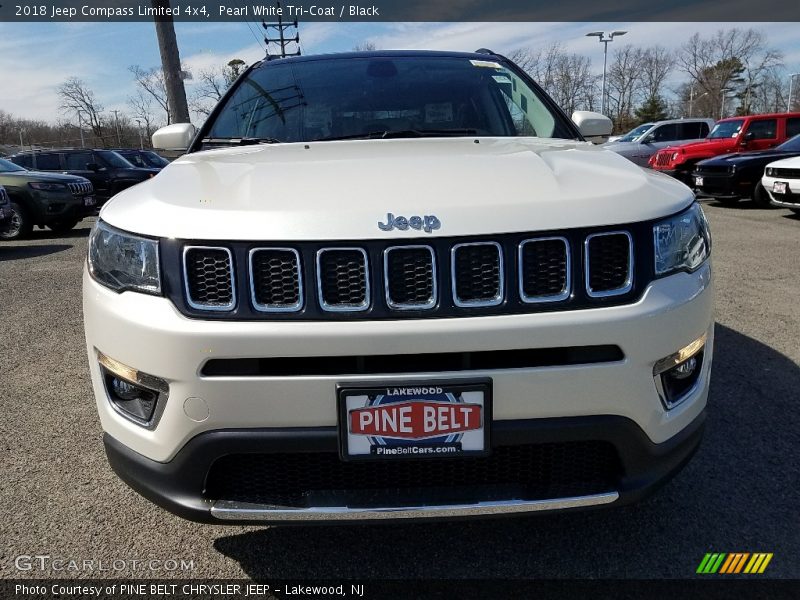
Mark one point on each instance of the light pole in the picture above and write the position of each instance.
(791, 81)
(722, 106)
(80, 127)
(141, 141)
(604, 38)
(116, 125)
(691, 100)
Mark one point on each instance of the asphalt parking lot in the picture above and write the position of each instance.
(740, 493)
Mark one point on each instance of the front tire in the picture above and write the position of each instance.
(18, 226)
(62, 226)
(760, 197)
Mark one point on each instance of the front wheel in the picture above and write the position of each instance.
(760, 196)
(62, 226)
(18, 226)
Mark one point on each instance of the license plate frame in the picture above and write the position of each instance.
(89, 201)
(780, 187)
(698, 181)
(366, 448)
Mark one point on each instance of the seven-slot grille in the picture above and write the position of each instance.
(442, 278)
(662, 159)
(81, 189)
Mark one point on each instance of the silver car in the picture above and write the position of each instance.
(639, 144)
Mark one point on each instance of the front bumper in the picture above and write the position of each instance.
(789, 200)
(719, 186)
(63, 207)
(682, 175)
(206, 417)
(180, 485)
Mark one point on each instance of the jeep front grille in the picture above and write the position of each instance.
(81, 189)
(443, 277)
(662, 159)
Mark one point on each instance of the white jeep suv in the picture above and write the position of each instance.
(397, 285)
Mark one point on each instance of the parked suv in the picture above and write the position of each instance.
(734, 176)
(107, 170)
(50, 200)
(643, 142)
(397, 285)
(737, 134)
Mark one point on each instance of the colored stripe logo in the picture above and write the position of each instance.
(734, 562)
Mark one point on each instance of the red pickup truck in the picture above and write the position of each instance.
(735, 134)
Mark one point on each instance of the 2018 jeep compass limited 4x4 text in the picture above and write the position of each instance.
(397, 285)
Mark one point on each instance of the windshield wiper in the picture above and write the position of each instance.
(401, 133)
(243, 141)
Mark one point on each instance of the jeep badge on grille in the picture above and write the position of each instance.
(427, 223)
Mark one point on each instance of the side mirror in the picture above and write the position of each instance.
(93, 167)
(648, 139)
(593, 126)
(177, 136)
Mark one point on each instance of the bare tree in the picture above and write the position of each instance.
(212, 85)
(153, 83)
(731, 60)
(365, 46)
(77, 98)
(141, 105)
(623, 84)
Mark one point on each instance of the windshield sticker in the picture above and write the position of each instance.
(501, 79)
(439, 113)
(486, 63)
(318, 117)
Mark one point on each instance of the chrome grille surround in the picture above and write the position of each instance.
(498, 297)
(627, 284)
(434, 297)
(566, 291)
(253, 293)
(325, 306)
(187, 288)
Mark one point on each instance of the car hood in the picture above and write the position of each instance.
(23, 177)
(702, 146)
(342, 190)
(744, 157)
(787, 163)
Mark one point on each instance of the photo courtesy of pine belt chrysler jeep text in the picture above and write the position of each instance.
(395, 285)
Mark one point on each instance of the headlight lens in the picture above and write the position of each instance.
(675, 155)
(123, 261)
(48, 187)
(682, 242)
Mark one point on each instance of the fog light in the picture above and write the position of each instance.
(135, 395)
(677, 374)
(684, 370)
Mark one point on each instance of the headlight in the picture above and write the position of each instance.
(770, 172)
(675, 155)
(48, 187)
(123, 261)
(682, 242)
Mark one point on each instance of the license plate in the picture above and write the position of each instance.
(698, 181)
(88, 201)
(414, 420)
(780, 187)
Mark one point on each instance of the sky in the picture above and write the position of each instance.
(36, 57)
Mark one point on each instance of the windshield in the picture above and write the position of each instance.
(726, 129)
(6, 166)
(790, 145)
(112, 159)
(635, 133)
(335, 98)
(153, 160)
